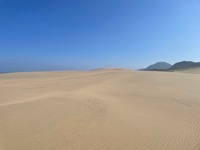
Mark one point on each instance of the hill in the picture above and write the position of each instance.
(158, 66)
(185, 65)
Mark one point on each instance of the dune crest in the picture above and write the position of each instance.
(111, 69)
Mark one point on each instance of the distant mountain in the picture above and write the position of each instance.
(158, 66)
(163, 66)
(185, 65)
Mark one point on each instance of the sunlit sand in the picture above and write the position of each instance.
(104, 109)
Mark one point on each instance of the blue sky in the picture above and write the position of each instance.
(87, 34)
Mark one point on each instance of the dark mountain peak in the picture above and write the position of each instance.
(185, 65)
(162, 62)
(159, 66)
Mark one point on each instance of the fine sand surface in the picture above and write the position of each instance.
(191, 70)
(108, 109)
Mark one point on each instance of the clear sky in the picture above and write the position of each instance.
(87, 34)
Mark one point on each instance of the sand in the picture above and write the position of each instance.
(191, 70)
(107, 109)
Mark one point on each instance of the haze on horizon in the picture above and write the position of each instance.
(78, 35)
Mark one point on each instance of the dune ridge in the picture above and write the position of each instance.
(106, 109)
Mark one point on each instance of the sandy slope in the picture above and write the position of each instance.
(191, 70)
(100, 110)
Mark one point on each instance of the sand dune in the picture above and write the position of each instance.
(106, 109)
(191, 70)
(110, 69)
